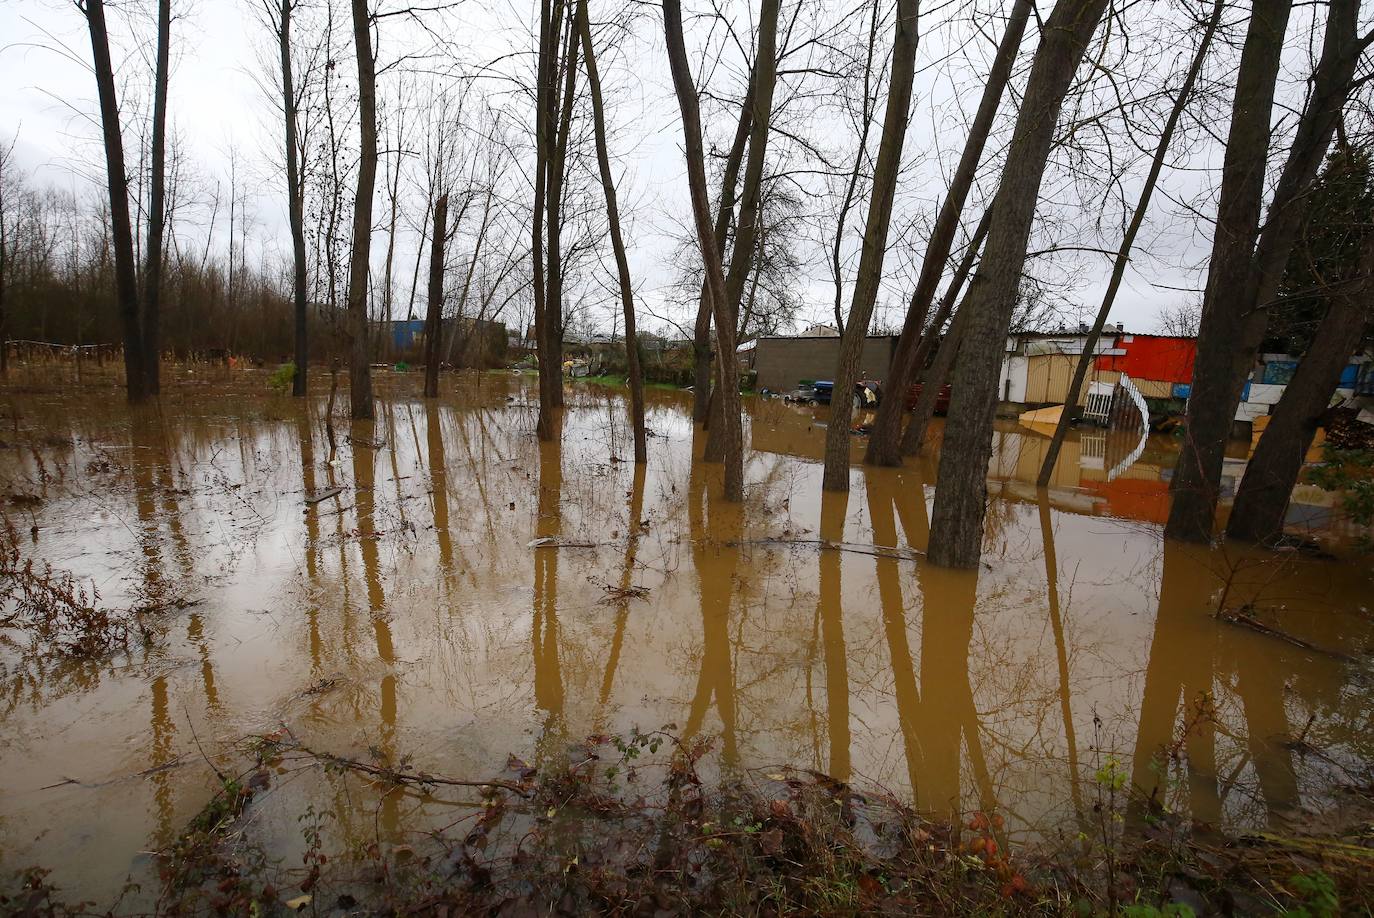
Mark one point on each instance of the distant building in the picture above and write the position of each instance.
(401, 335)
(1038, 367)
(819, 330)
(464, 341)
(782, 363)
(1037, 370)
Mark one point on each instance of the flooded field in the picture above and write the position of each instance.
(470, 593)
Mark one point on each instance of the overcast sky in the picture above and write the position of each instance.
(217, 104)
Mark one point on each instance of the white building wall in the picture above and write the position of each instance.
(1011, 387)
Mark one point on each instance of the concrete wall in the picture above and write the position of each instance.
(783, 362)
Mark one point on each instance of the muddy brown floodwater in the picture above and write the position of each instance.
(409, 618)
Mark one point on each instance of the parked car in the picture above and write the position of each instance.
(867, 393)
(941, 398)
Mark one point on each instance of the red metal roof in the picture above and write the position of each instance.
(1157, 357)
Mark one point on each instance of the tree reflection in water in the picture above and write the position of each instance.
(402, 619)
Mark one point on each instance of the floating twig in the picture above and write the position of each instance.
(616, 593)
(1254, 624)
(145, 773)
(396, 776)
(324, 494)
(858, 548)
(178, 604)
(555, 542)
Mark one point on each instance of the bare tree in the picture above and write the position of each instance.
(157, 202)
(359, 358)
(1244, 275)
(956, 532)
(550, 372)
(1180, 321)
(295, 189)
(1123, 253)
(121, 230)
(912, 346)
(395, 164)
(434, 312)
(278, 17)
(728, 368)
(885, 174)
(622, 264)
(725, 212)
(751, 198)
(333, 203)
(1334, 268)
(557, 176)
(1262, 498)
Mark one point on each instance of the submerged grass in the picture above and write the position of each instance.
(615, 379)
(48, 612)
(616, 829)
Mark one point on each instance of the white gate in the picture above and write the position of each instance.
(1098, 407)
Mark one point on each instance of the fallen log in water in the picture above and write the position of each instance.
(555, 542)
(1254, 624)
(858, 548)
(323, 494)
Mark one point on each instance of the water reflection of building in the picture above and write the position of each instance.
(1089, 478)
(1091, 475)
(1100, 472)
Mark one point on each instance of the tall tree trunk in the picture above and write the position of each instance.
(550, 373)
(622, 263)
(359, 358)
(1238, 213)
(121, 231)
(557, 170)
(393, 193)
(728, 373)
(335, 185)
(295, 204)
(434, 315)
(764, 80)
(1123, 253)
(157, 202)
(701, 357)
(1262, 499)
(883, 442)
(725, 211)
(885, 171)
(956, 532)
(230, 290)
(1244, 276)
